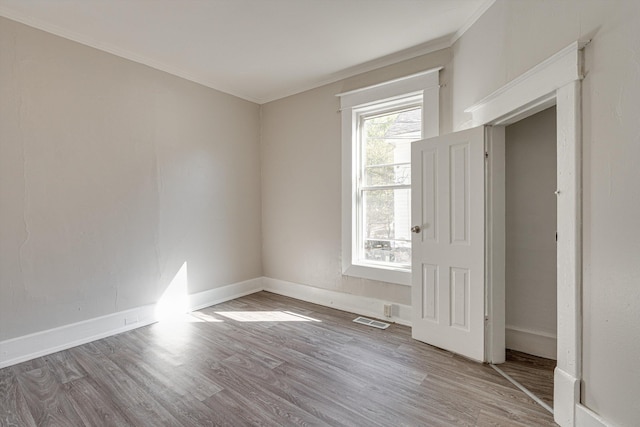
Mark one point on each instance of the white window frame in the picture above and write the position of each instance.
(352, 104)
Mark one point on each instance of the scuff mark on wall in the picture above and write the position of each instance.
(618, 108)
(115, 304)
(25, 201)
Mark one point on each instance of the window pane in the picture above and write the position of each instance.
(386, 226)
(387, 138)
(388, 175)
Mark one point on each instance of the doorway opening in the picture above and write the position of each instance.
(531, 253)
(555, 81)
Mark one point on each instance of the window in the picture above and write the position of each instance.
(379, 123)
(383, 183)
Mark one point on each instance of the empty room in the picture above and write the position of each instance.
(309, 212)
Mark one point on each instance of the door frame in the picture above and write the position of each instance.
(555, 81)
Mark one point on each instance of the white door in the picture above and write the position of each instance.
(448, 194)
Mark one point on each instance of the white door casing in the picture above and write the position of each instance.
(557, 80)
(448, 293)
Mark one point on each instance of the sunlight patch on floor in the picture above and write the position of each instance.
(266, 316)
(201, 317)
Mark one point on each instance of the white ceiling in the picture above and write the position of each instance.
(259, 50)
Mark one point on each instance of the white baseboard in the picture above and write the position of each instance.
(225, 293)
(538, 343)
(566, 395)
(27, 347)
(585, 417)
(365, 306)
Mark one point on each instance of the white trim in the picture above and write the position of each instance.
(425, 83)
(556, 80)
(495, 244)
(404, 55)
(27, 347)
(122, 53)
(391, 59)
(225, 293)
(382, 274)
(389, 89)
(532, 91)
(413, 52)
(364, 306)
(411, 78)
(566, 396)
(585, 417)
(538, 343)
(569, 220)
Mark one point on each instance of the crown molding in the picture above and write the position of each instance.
(394, 58)
(472, 20)
(118, 51)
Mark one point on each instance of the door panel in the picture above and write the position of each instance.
(430, 287)
(459, 298)
(459, 193)
(429, 188)
(448, 252)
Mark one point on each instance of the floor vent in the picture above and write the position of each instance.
(370, 322)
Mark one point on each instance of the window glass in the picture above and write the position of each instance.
(384, 187)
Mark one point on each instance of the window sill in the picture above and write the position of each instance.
(381, 274)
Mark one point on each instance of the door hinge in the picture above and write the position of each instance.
(486, 154)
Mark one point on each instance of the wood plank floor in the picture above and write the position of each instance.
(533, 372)
(262, 360)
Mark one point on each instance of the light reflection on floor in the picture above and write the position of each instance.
(266, 316)
(173, 307)
(238, 316)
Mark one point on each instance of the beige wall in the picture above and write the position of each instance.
(514, 36)
(301, 185)
(301, 170)
(112, 175)
(530, 153)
